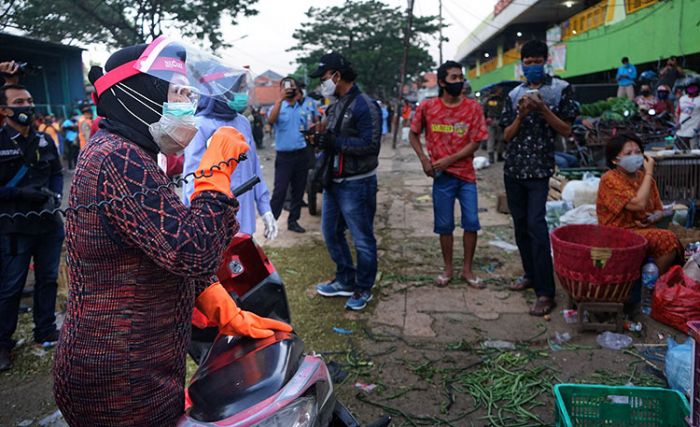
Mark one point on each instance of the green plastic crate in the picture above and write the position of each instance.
(585, 405)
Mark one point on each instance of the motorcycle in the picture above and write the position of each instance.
(269, 382)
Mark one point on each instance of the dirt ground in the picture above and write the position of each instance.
(417, 352)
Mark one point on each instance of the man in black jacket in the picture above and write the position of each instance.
(31, 179)
(353, 131)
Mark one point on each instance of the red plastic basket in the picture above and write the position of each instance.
(694, 332)
(596, 262)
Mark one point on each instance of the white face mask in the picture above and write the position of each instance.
(176, 127)
(173, 134)
(328, 88)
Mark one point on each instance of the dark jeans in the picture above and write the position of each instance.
(291, 169)
(351, 205)
(16, 252)
(527, 199)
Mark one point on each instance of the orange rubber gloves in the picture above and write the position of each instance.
(224, 144)
(219, 307)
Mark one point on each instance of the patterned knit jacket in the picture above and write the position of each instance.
(135, 267)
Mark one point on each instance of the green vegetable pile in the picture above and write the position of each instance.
(613, 109)
(508, 387)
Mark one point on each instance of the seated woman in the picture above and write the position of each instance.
(628, 198)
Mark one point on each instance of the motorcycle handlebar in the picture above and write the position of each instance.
(246, 186)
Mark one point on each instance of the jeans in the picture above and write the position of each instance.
(291, 169)
(16, 252)
(351, 205)
(527, 199)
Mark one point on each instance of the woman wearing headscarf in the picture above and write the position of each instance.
(212, 114)
(140, 261)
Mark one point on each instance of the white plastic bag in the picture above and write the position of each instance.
(481, 162)
(584, 214)
(582, 192)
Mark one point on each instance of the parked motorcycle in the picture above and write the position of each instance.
(268, 382)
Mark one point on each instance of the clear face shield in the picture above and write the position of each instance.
(194, 73)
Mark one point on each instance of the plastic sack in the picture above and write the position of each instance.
(585, 214)
(480, 162)
(678, 365)
(582, 192)
(676, 299)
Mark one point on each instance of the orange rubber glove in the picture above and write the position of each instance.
(219, 307)
(224, 144)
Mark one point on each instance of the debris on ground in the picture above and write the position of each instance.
(501, 244)
(613, 341)
(367, 388)
(499, 345)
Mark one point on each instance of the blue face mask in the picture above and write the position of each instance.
(534, 73)
(239, 102)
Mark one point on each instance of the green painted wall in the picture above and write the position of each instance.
(671, 27)
(507, 72)
(667, 28)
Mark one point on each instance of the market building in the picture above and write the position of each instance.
(587, 39)
(55, 72)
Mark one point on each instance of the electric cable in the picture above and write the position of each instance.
(101, 204)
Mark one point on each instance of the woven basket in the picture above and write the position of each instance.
(597, 263)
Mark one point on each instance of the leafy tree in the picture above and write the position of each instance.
(121, 22)
(369, 34)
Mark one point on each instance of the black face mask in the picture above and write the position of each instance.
(646, 92)
(454, 89)
(22, 115)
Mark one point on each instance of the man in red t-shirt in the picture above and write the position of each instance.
(454, 127)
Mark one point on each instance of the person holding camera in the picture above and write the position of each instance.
(351, 139)
(533, 114)
(292, 159)
(31, 179)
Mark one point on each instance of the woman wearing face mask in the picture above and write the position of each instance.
(139, 263)
(646, 100)
(664, 104)
(227, 111)
(628, 198)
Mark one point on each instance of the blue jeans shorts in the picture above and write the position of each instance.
(447, 188)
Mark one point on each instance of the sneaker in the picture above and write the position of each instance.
(359, 300)
(334, 289)
(5, 362)
(49, 341)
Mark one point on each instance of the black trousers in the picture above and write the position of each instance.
(291, 169)
(527, 201)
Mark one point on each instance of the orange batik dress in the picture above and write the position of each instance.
(616, 190)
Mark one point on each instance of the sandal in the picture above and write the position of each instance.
(521, 284)
(475, 283)
(543, 306)
(442, 280)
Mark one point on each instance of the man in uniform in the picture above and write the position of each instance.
(31, 179)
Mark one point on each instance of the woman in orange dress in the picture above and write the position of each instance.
(628, 198)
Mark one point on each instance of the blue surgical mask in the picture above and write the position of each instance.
(631, 163)
(534, 73)
(239, 102)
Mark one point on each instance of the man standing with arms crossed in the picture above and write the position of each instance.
(454, 127)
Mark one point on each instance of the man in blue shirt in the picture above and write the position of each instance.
(292, 160)
(626, 75)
